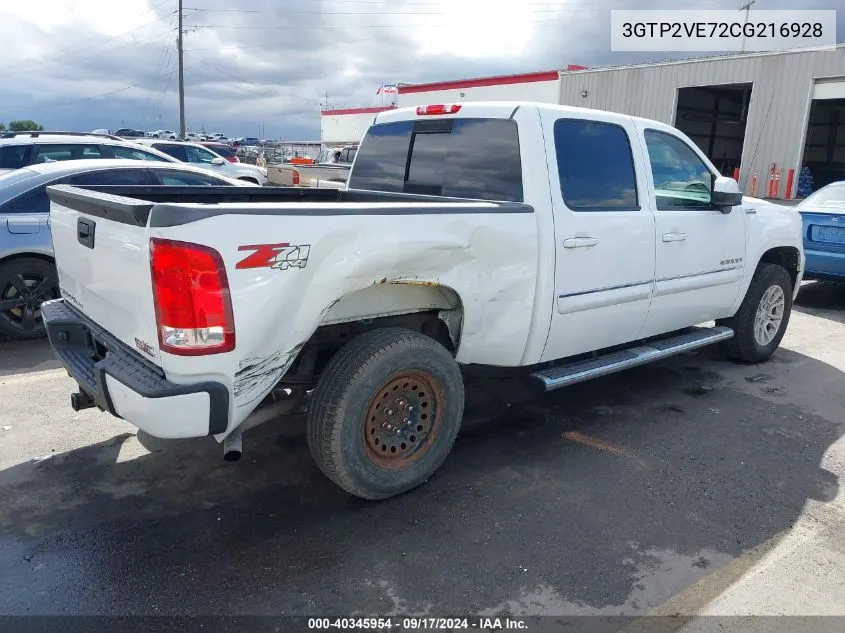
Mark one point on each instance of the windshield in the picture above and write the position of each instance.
(832, 196)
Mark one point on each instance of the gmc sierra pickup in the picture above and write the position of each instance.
(569, 242)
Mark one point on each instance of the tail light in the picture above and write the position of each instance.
(438, 109)
(295, 177)
(233, 159)
(191, 290)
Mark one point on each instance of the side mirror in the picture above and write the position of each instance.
(218, 161)
(726, 194)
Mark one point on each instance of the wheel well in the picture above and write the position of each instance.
(784, 256)
(328, 339)
(41, 256)
(248, 179)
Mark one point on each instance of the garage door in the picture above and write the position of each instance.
(829, 89)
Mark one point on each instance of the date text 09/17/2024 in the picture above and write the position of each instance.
(419, 623)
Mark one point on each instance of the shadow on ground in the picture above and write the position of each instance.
(26, 356)
(824, 299)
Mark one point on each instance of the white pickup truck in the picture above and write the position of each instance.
(569, 242)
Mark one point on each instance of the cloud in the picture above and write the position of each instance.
(272, 62)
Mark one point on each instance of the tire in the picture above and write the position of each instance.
(417, 385)
(771, 283)
(25, 283)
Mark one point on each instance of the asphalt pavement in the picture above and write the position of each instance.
(664, 490)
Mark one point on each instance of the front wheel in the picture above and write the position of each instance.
(385, 412)
(760, 322)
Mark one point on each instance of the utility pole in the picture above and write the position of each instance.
(747, 8)
(181, 77)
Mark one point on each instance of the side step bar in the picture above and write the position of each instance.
(563, 376)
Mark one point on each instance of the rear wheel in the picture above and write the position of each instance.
(25, 283)
(385, 412)
(760, 322)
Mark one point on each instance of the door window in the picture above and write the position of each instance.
(132, 153)
(175, 150)
(112, 177)
(199, 155)
(47, 153)
(35, 201)
(12, 156)
(173, 178)
(681, 179)
(595, 166)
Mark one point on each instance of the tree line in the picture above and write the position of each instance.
(24, 125)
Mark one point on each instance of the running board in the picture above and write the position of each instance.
(563, 376)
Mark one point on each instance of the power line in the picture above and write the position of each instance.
(64, 52)
(258, 86)
(64, 103)
(376, 13)
(349, 26)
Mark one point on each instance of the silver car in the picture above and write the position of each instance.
(27, 271)
(196, 154)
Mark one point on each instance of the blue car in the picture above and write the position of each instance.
(824, 232)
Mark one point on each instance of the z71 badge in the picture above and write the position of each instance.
(278, 256)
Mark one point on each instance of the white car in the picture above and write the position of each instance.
(170, 135)
(22, 149)
(507, 234)
(200, 156)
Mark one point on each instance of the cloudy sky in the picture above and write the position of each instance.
(86, 64)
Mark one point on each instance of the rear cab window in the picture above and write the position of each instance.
(473, 158)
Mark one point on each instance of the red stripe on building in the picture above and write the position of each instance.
(501, 80)
(357, 110)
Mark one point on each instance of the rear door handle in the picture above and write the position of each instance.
(674, 237)
(580, 242)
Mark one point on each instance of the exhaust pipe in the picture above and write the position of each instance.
(81, 400)
(233, 446)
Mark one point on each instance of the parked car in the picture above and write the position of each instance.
(27, 270)
(194, 137)
(337, 156)
(170, 135)
(221, 149)
(553, 252)
(126, 132)
(19, 150)
(196, 154)
(823, 214)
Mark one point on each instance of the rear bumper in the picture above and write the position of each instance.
(824, 265)
(129, 387)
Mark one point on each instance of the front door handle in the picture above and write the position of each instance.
(580, 242)
(674, 237)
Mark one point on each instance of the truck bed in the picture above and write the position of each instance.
(132, 204)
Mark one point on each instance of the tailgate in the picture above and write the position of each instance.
(101, 245)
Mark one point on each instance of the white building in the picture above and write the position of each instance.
(758, 116)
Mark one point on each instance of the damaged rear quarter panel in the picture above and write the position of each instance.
(489, 259)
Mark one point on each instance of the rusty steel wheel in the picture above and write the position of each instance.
(403, 420)
(385, 412)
